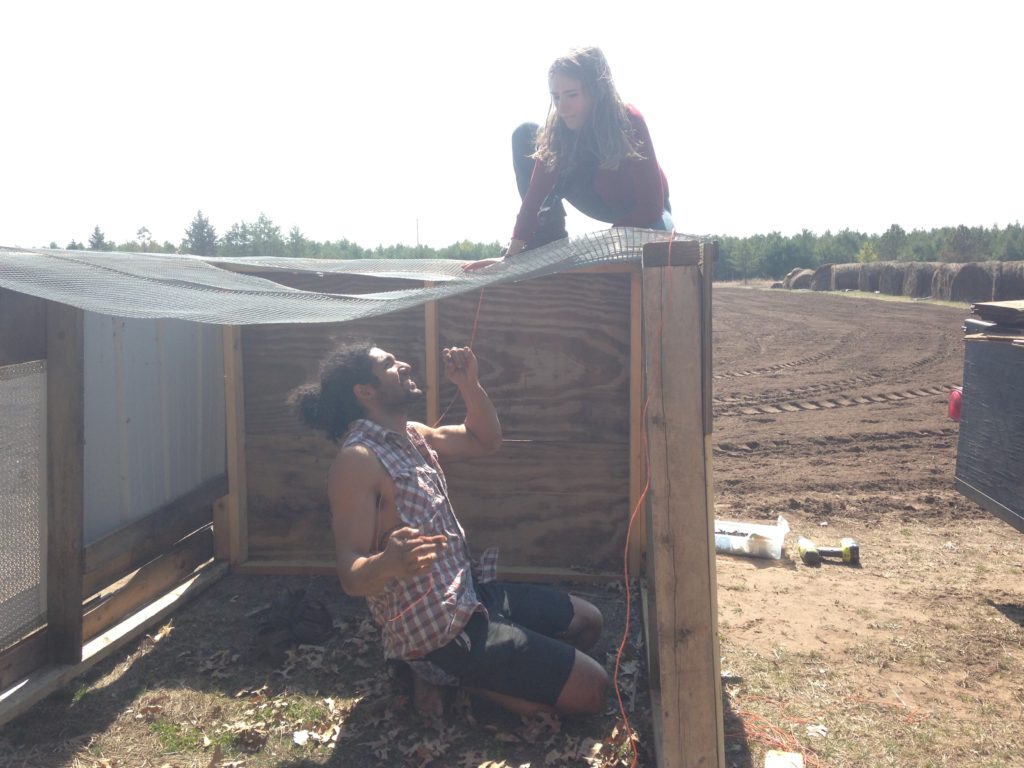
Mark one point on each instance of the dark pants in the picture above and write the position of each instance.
(513, 648)
(577, 188)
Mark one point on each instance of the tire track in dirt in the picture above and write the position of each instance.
(878, 441)
(848, 366)
(771, 369)
(784, 405)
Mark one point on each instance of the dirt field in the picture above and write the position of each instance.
(830, 410)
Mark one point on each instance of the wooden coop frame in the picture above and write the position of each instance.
(136, 577)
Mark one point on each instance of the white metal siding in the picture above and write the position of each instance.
(154, 415)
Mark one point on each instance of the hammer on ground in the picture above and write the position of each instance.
(848, 550)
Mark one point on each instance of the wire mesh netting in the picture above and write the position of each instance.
(22, 526)
(216, 290)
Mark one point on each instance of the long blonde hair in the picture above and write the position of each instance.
(607, 132)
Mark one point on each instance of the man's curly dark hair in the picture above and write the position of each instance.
(331, 405)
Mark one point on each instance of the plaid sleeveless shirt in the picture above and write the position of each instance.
(424, 612)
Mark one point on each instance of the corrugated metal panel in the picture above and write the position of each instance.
(154, 415)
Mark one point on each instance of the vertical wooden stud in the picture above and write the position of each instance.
(432, 352)
(65, 469)
(681, 522)
(235, 539)
(637, 465)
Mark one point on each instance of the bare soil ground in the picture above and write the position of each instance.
(829, 410)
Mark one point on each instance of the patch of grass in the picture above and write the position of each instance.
(305, 710)
(175, 737)
(80, 693)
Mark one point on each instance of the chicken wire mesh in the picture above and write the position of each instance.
(211, 290)
(22, 500)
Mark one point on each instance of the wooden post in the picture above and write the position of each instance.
(432, 363)
(681, 521)
(708, 254)
(65, 448)
(637, 465)
(235, 539)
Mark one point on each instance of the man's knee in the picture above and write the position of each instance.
(586, 625)
(586, 690)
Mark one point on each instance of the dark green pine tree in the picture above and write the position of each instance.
(200, 237)
(98, 242)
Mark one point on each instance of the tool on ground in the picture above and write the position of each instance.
(811, 554)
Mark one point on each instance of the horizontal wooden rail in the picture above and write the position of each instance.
(18, 661)
(118, 554)
(153, 579)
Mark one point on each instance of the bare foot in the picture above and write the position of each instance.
(426, 698)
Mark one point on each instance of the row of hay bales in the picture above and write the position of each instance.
(974, 281)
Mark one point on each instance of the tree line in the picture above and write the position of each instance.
(264, 238)
(774, 255)
(769, 256)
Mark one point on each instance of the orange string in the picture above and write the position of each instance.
(472, 338)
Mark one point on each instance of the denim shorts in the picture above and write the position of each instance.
(513, 649)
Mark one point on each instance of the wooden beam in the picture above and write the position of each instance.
(151, 580)
(708, 254)
(65, 417)
(637, 464)
(681, 522)
(17, 700)
(235, 539)
(432, 358)
(123, 551)
(677, 253)
(22, 659)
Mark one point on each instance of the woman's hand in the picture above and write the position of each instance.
(473, 266)
(514, 247)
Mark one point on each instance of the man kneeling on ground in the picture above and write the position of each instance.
(400, 545)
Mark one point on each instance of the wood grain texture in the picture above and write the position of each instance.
(289, 516)
(282, 358)
(554, 355)
(990, 450)
(22, 328)
(708, 254)
(681, 523)
(118, 554)
(151, 580)
(675, 253)
(237, 517)
(547, 504)
(22, 658)
(65, 418)
(543, 504)
(637, 449)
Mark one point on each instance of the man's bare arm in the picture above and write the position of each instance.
(354, 486)
(480, 433)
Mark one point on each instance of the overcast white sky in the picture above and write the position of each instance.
(358, 120)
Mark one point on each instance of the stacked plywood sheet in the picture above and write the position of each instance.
(990, 453)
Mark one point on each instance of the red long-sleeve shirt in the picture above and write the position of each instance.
(638, 186)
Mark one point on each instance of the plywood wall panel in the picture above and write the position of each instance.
(554, 355)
